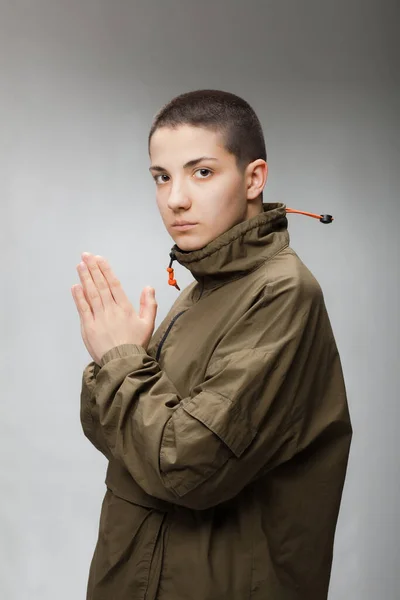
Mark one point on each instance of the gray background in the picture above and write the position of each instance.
(80, 83)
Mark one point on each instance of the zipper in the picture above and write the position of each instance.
(164, 337)
(173, 257)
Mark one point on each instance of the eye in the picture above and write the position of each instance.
(203, 172)
(158, 182)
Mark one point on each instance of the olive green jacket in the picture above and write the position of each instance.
(228, 438)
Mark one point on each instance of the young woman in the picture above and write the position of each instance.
(227, 429)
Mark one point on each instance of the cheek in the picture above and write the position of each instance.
(161, 198)
(162, 205)
(216, 209)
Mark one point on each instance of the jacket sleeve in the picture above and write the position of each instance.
(89, 411)
(243, 419)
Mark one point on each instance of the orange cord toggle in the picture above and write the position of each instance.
(171, 279)
(308, 214)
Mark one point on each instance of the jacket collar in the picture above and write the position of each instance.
(238, 250)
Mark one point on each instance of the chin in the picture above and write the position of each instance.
(187, 244)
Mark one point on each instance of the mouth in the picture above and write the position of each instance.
(184, 227)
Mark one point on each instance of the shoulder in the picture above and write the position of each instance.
(286, 274)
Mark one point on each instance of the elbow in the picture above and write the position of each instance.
(200, 502)
(199, 494)
(203, 499)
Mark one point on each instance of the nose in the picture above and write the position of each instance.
(178, 198)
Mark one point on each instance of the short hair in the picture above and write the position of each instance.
(219, 111)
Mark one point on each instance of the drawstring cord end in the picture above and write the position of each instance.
(323, 218)
(172, 280)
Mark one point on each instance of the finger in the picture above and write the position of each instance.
(98, 278)
(113, 282)
(91, 292)
(84, 295)
(80, 301)
(148, 305)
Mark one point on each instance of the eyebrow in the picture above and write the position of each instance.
(191, 163)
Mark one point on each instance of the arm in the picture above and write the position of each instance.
(203, 449)
(90, 424)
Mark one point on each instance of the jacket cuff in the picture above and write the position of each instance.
(91, 371)
(120, 352)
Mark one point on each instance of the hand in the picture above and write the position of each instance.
(107, 317)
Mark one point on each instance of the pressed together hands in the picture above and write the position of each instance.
(108, 319)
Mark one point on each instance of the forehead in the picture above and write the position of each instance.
(186, 142)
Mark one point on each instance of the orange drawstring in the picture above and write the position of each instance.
(170, 270)
(322, 218)
(171, 279)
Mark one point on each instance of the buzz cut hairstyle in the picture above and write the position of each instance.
(218, 111)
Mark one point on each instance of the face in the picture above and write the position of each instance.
(197, 180)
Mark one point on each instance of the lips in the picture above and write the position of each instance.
(179, 223)
(183, 227)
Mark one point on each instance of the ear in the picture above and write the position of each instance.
(256, 178)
